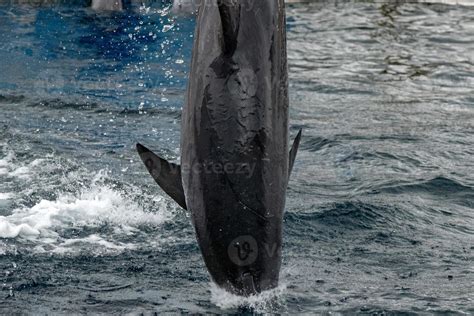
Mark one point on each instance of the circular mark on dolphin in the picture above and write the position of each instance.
(243, 83)
(243, 250)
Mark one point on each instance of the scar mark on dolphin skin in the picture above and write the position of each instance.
(240, 123)
(246, 207)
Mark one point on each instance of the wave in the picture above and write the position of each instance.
(435, 186)
(63, 104)
(11, 98)
(347, 215)
(438, 188)
(314, 144)
(91, 106)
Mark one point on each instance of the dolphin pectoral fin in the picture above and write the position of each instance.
(166, 174)
(294, 151)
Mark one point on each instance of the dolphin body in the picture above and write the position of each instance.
(235, 160)
(184, 7)
(107, 5)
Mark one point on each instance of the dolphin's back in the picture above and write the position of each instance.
(234, 140)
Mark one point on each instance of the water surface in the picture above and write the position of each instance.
(379, 213)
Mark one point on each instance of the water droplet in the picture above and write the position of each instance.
(167, 27)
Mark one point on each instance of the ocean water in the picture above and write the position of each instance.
(379, 217)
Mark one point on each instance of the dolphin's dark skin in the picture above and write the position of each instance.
(235, 160)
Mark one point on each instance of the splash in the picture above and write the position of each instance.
(49, 221)
(5, 196)
(93, 207)
(264, 302)
(5, 161)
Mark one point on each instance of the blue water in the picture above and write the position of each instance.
(379, 216)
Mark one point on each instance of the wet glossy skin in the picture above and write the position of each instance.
(235, 141)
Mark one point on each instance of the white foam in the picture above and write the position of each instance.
(26, 171)
(8, 168)
(21, 172)
(71, 245)
(9, 230)
(53, 225)
(11, 168)
(260, 303)
(94, 207)
(450, 2)
(5, 162)
(5, 196)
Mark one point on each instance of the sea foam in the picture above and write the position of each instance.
(95, 206)
(260, 303)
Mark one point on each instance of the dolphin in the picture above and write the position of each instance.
(235, 158)
(184, 7)
(107, 5)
